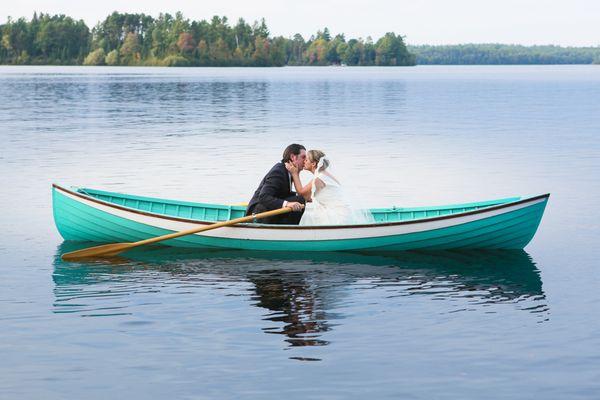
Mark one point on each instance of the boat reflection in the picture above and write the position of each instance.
(299, 292)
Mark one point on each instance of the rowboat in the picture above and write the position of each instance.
(92, 215)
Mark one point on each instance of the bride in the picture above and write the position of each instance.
(326, 202)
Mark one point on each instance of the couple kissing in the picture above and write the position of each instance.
(320, 202)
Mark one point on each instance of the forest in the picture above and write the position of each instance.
(490, 54)
(173, 40)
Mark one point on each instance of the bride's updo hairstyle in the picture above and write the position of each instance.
(316, 156)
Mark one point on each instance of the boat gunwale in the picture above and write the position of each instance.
(93, 192)
(278, 226)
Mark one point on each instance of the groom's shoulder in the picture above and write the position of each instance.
(278, 168)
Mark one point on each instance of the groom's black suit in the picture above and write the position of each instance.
(274, 189)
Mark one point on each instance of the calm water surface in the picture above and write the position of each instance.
(182, 324)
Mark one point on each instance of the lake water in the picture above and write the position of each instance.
(182, 324)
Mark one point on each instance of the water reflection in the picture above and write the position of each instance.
(294, 302)
(301, 294)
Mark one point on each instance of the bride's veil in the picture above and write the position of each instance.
(348, 196)
(324, 173)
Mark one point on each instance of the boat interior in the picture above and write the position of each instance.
(219, 212)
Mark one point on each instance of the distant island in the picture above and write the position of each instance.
(496, 54)
(172, 40)
(124, 39)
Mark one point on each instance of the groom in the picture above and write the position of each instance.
(275, 190)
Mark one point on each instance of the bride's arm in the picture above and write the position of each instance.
(303, 191)
(319, 182)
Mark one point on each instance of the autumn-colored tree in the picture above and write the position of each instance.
(112, 58)
(203, 54)
(317, 52)
(220, 53)
(96, 57)
(130, 50)
(186, 43)
(260, 57)
(238, 57)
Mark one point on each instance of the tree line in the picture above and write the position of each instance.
(172, 40)
(470, 54)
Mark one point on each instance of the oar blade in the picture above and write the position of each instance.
(105, 250)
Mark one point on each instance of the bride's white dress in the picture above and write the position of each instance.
(330, 206)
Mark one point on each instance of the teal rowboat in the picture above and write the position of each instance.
(105, 217)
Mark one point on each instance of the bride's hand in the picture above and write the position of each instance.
(291, 167)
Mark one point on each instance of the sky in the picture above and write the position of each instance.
(528, 22)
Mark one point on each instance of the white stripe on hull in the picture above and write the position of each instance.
(249, 233)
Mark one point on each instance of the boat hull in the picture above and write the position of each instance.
(506, 226)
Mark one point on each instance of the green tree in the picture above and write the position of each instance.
(260, 30)
(297, 48)
(390, 50)
(243, 34)
(7, 41)
(277, 55)
(325, 35)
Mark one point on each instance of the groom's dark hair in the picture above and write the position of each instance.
(293, 148)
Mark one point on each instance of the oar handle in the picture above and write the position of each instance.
(214, 226)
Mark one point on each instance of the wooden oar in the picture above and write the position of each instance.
(108, 250)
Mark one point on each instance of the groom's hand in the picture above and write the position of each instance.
(295, 206)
